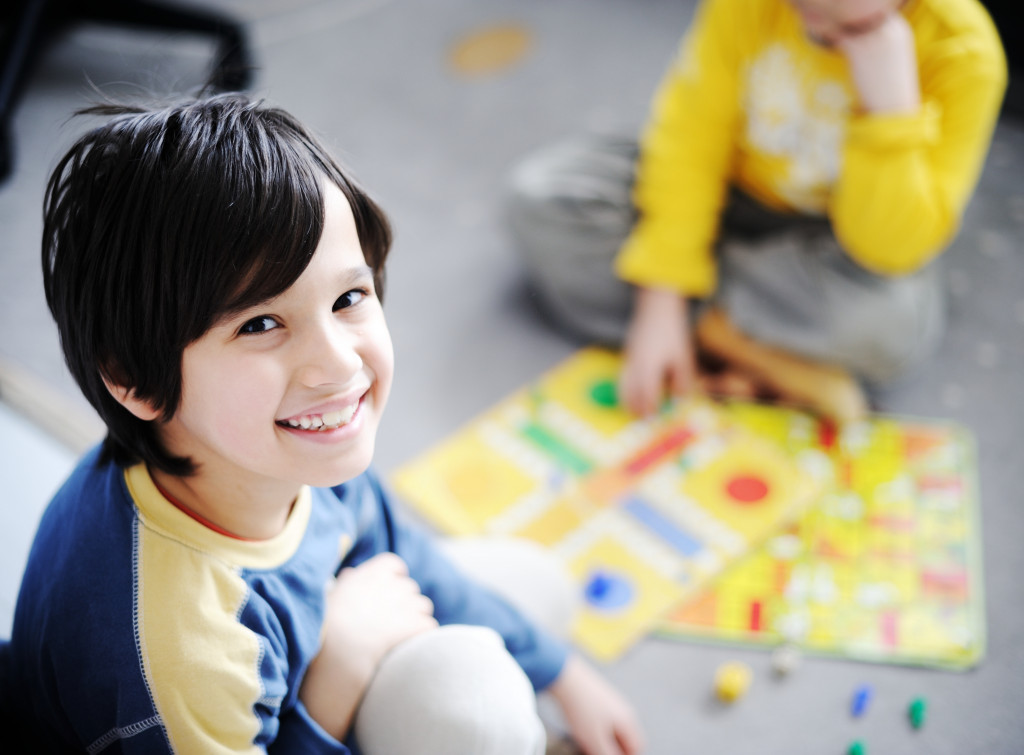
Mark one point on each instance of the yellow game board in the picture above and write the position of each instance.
(886, 567)
(644, 512)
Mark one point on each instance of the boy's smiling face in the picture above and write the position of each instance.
(288, 392)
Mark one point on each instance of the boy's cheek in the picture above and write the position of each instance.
(383, 348)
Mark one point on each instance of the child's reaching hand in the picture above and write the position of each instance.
(370, 609)
(601, 721)
(658, 353)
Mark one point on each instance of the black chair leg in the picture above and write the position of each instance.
(233, 66)
(20, 44)
(32, 22)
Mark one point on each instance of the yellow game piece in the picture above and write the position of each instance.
(732, 681)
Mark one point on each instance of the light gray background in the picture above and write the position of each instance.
(371, 76)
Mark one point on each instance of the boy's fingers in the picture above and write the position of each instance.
(631, 741)
(389, 562)
(426, 605)
(645, 400)
(680, 380)
(605, 745)
(630, 393)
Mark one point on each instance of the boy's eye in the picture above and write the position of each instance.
(258, 325)
(349, 298)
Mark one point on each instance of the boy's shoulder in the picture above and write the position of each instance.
(363, 498)
(78, 578)
(83, 544)
(367, 484)
(109, 582)
(90, 510)
(95, 514)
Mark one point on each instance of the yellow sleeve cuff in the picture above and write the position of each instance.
(895, 132)
(649, 261)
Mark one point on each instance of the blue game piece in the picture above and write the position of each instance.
(861, 698)
(598, 586)
(608, 591)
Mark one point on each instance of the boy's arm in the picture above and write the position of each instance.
(370, 609)
(299, 732)
(456, 599)
(681, 181)
(601, 721)
(685, 157)
(658, 351)
(909, 167)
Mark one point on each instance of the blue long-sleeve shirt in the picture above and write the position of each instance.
(138, 629)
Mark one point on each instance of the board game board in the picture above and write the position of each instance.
(886, 567)
(644, 512)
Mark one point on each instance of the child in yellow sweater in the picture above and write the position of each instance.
(805, 162)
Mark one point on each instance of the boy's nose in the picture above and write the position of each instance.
(329, 356)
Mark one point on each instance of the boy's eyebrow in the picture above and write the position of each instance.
(353, 275)
(345, 277)
(357, 272)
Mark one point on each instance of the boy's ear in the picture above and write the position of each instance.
(126, 397)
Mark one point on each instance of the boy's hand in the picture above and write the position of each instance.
(370, 609)
(658, 352)
(884, 66)
(599, 718)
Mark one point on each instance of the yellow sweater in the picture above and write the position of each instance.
(751, 101)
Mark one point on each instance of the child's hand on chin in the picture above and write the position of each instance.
(601, 721)
(371, 608)
(884, 67)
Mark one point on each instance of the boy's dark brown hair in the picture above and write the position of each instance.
(160, 222)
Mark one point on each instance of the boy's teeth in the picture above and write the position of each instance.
(333, 418)
(327, 421)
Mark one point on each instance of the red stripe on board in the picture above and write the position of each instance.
(890, 633)
(671, 442)
(755, 616)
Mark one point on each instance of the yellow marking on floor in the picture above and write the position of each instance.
(490, 50)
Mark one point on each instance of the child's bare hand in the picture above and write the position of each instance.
(600, 720)
(884, 66)
(658, 353)
(374, 606)
(370, 609)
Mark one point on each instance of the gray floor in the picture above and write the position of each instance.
(372, 77)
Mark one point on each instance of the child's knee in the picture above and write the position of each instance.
(453, 689)
(572, 197)
(895, 341)
(883, 363)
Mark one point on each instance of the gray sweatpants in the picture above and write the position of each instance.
(783, 279)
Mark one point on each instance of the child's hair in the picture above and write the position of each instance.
(162, 221)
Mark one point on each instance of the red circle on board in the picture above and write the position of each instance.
(747, 489)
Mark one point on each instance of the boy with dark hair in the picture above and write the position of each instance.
(223, 574)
